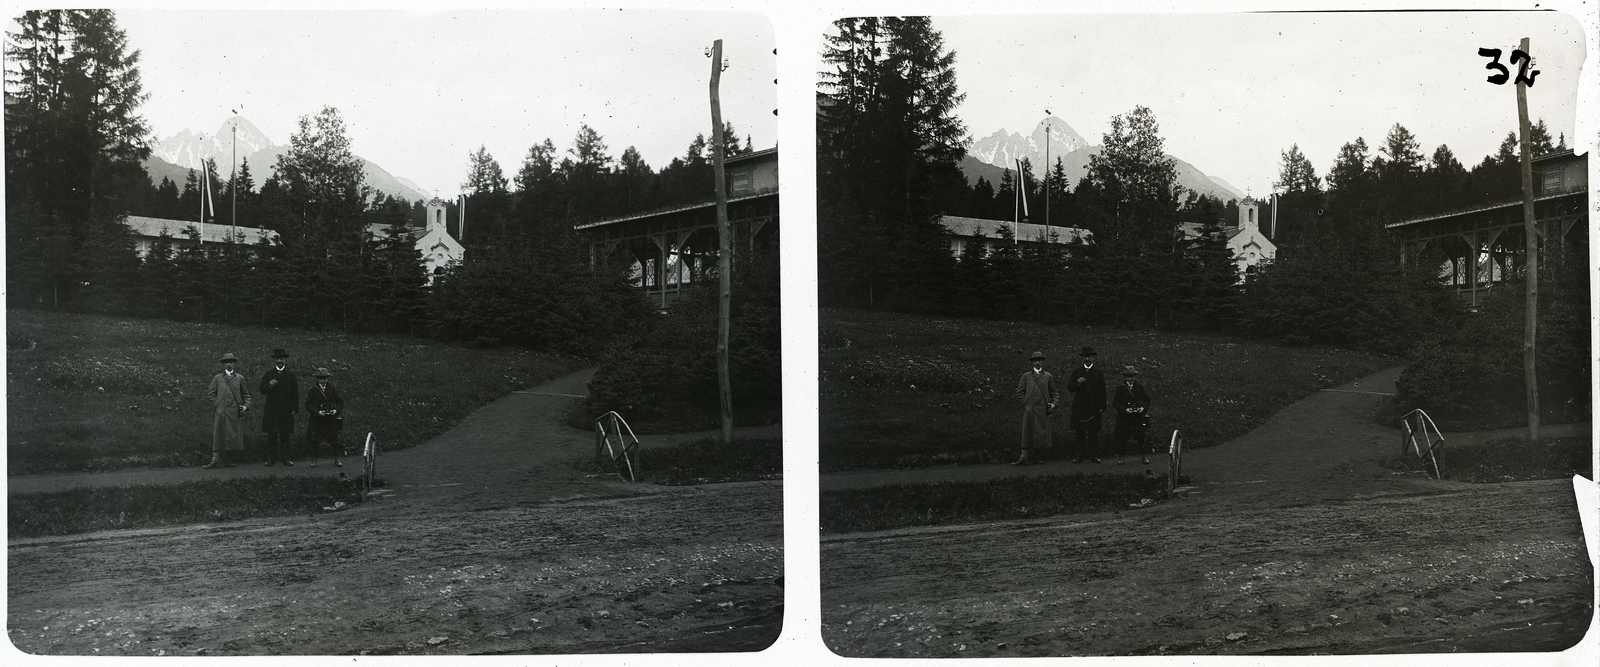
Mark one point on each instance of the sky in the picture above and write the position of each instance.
(1232, 91)
(420, 91)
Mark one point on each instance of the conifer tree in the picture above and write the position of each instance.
(73, 142)
(888, 141)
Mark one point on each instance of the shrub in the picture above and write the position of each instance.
(1342, 285)
(1475, 380)
(664, 378)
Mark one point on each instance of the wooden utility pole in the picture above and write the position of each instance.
(233, 177)
(724, 248)
(1530, 356)
(1047, 170)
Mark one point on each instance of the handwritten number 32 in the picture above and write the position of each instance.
(1517, 55)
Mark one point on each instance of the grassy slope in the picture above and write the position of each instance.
(944, 503)
(705, 461)
(148, 506)
(104, 393)
(906, 391)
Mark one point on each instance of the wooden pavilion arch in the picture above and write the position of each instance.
(672, 249)
(1479, 248)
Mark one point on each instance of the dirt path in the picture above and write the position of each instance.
(1291, 540)
(488, 542)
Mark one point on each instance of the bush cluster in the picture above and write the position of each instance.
(1474, 379)
(664, 376)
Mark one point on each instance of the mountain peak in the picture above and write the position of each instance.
(250, 137)
(187, 149)
(1002, 148)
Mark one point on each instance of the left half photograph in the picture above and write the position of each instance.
(392, 333)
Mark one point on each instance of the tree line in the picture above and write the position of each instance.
(74, 147)
(888, 144)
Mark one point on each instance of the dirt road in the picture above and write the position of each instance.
(1291, 541)
(489, 542)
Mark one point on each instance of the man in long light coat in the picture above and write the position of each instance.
(1039, 395)
(231, 398)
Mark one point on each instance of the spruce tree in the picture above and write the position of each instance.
(73, 142)
(887, 142)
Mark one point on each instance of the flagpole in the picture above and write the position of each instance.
(202, 194)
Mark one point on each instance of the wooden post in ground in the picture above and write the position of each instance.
(724, 248)
(1530, 356)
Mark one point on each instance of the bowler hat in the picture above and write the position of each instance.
(279, 353)
(322, 373)
(1087, 352)
(1130, 371)
(1037, 356)
(227, 358)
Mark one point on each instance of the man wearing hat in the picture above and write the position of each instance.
(324, 406)
(1039, 395)
(282, 395)
(231, 399)
(1131, 403)
(1088, 387)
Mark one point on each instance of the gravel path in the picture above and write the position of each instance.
(488, 541)
(1291, 539)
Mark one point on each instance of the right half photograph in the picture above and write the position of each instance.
(1203, 334)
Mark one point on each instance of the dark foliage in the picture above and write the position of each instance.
(1345, 285)
(664, 377)
(536, 293)
(1508, 460)
(1473, 379)
(887, 144)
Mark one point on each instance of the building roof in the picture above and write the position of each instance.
(729, 159)
(678, 209)
(1025, 231)
(1492, 207)
(763, 154)
(213, 233)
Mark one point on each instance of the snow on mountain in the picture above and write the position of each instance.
(187, 149)
(1067, 146)
(1001, 148)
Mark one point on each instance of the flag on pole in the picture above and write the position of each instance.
(211, 200)
(1024, 192)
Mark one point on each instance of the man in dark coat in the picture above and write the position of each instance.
(1039, 395)
(1088, 387)
(282, 394)
(1131, 404)
(326, 408)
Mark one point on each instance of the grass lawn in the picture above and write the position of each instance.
(98, 393)
(908, 391)
(706, 461)
(1508, 460)
(149, 506)
(905, 505)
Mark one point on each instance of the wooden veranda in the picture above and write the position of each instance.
(673, 249)
(1479, 248)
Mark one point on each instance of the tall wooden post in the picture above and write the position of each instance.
(1530, 356)
(724, 248)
